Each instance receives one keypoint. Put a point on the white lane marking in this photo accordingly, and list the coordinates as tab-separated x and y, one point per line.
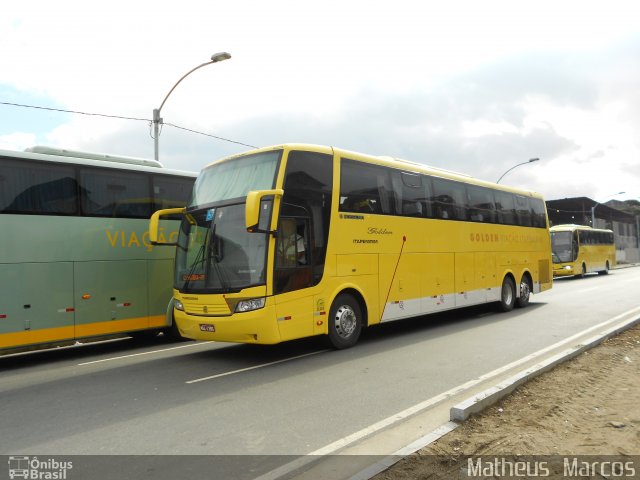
341	443
143	353
253	368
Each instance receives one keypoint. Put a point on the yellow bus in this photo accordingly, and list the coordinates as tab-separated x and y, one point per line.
578	250
296	240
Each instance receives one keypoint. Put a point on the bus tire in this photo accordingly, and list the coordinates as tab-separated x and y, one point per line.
507	294
583	272
345	322
525	292
606	269
173	333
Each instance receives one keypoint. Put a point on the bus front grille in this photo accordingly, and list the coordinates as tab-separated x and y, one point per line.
213	309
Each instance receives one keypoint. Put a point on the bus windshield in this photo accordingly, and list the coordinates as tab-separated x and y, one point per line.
235	178
561	246
216	254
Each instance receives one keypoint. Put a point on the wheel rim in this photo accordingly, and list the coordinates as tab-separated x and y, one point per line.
525	291
507	294
345	321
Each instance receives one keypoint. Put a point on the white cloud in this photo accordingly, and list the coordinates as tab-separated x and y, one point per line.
17	141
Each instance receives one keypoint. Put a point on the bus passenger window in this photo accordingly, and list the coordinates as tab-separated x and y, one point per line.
365	188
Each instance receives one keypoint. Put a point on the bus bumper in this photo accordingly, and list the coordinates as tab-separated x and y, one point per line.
257	326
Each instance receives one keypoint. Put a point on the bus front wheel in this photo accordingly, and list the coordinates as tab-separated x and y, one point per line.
508	294
345	322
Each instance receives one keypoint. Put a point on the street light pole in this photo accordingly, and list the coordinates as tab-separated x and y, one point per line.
157	120
523	163
593	209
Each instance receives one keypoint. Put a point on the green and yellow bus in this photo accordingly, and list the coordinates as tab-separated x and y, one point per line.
75	255
578	250
294	240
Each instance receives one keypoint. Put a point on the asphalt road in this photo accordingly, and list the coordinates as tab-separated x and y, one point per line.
195	398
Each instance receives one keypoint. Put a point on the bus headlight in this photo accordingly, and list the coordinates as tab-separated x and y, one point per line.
567	267
178	305
249	305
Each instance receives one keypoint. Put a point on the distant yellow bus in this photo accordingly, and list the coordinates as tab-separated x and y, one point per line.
578	250
291	241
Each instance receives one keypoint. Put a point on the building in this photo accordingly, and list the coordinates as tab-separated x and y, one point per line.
584	211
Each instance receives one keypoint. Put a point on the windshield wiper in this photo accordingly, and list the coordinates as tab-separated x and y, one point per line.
197	261
215	256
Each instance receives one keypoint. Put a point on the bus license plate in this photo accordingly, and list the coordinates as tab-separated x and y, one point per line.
205	327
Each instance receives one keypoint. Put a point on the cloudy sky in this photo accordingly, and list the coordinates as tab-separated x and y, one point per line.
471	86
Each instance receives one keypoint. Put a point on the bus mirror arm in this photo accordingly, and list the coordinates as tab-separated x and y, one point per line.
154	225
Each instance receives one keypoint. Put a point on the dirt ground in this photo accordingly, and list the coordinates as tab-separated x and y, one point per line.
587	406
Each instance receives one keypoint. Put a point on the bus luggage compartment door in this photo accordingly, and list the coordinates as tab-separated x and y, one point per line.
36	303
111	297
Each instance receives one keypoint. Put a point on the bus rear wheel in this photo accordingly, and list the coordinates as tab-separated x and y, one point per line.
525	292
508	294
345	322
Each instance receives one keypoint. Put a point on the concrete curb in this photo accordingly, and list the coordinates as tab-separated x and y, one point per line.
479	402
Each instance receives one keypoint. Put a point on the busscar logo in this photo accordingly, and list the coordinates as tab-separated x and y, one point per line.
21	466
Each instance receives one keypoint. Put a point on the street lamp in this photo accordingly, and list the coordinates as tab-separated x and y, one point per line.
523	163
217	57
593	209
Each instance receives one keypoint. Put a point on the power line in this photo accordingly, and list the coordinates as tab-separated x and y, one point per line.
74	111
209	135
125	118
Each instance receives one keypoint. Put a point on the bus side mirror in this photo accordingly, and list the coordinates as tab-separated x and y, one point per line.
154	225
259	209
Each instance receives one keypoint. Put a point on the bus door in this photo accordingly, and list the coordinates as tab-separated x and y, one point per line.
303	229
292	274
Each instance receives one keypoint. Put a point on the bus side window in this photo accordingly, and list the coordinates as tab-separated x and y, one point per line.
293	256
365	188
538	212
411	194
481	206
506	208
523	211
40	189
292	246
115	193
449	199
170	192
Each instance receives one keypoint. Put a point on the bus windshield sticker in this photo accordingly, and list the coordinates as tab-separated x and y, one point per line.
210	214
